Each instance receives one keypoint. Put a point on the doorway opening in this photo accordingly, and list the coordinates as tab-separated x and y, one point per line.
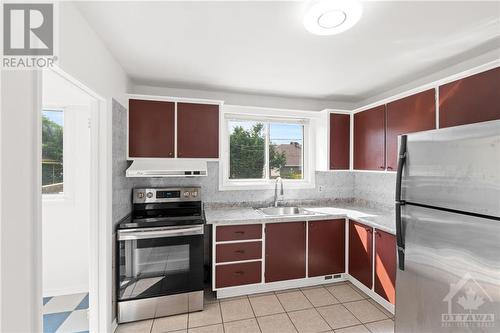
69	268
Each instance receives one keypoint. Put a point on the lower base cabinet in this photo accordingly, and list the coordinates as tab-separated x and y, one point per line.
326	247
285	251
238	274
385	265
360	253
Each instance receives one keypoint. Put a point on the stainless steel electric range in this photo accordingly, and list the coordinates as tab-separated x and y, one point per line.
160	254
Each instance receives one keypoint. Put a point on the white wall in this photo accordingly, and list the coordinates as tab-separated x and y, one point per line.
20	259
66	217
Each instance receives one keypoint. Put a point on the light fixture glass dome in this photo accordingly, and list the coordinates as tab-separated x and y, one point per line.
330	17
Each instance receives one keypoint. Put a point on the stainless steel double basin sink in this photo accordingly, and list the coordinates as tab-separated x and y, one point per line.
285	211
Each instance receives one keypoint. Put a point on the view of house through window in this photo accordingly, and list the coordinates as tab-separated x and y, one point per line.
253	145
52	151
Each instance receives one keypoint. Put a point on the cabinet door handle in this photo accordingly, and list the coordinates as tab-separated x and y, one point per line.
379	234
239	232
381	167
389	168
239	272
240	251
170	154
179	154
369	230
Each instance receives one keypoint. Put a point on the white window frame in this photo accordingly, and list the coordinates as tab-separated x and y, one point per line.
308	181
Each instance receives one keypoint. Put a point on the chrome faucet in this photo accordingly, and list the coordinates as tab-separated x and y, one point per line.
277	197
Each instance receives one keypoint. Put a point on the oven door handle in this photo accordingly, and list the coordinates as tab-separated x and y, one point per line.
134	234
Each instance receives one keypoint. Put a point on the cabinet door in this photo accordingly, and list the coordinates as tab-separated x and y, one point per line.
198	130
385	265
326	252
340	137
285	251
470	100
360	252
151	128
369	139
411	114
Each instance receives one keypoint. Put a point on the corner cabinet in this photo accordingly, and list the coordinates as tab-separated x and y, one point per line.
326	249
154	128
151	128
361	252
369	139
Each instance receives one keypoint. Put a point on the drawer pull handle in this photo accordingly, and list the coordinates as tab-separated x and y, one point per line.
240	251
239	272
239	232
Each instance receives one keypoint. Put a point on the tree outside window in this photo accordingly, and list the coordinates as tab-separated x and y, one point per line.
52	152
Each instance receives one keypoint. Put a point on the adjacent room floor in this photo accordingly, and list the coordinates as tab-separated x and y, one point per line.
66	314
338	307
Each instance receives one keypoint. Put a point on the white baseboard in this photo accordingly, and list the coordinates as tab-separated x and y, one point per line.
370	292
274	286
66	291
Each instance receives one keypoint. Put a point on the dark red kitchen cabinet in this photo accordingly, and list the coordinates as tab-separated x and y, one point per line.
238	274
470	100
407	115
285	251
360	252
385	265
198	130
340	137
369	139
326	253
151	128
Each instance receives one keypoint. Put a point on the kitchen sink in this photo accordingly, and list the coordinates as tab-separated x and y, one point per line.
285	211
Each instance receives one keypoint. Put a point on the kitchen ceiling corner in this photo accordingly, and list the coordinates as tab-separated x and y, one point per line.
238	46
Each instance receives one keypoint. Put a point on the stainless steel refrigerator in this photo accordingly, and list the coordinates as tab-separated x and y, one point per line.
448	230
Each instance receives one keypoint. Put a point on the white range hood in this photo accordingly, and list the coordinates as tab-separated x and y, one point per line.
163	167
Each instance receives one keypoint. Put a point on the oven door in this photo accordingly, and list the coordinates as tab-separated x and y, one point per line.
159	261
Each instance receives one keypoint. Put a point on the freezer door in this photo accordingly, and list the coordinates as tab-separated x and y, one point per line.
451	277
456	168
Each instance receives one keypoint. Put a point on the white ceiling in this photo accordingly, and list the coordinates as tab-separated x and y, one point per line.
262	47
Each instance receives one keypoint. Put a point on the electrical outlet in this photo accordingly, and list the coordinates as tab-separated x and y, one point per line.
321	188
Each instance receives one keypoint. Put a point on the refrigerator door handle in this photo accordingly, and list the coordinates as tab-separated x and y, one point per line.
401	163
399	237
399	230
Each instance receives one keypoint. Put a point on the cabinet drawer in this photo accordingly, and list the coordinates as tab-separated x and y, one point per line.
238	232
238	251
238	274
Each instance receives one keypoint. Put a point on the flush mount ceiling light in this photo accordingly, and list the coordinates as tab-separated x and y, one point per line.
330	17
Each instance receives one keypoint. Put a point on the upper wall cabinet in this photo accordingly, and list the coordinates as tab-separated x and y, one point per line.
369	139
411	114
151	128
198	130
470	100
340	136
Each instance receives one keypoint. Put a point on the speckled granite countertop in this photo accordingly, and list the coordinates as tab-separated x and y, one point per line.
383	220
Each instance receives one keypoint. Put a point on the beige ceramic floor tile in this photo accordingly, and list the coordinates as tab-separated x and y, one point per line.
384	326
242	326
319	296
308	321
207	329
168	324
337	316
365	311
344	293
266	305
353	329
381	308
209	316
359	291
143	326
294	301
236	310
276	323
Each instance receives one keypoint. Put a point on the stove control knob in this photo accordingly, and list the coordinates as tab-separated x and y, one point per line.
194	194
140	195
149	195
186	194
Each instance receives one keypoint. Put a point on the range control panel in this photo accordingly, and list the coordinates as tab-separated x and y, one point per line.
151	195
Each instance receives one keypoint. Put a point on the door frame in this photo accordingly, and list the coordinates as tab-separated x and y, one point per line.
100	226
